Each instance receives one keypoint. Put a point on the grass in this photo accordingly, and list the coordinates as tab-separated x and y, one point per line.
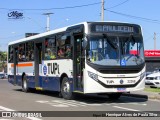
152	89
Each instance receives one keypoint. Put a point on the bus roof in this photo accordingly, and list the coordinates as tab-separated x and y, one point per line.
43	34
57	31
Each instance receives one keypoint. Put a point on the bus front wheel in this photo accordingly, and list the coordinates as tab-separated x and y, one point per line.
66	89
24	84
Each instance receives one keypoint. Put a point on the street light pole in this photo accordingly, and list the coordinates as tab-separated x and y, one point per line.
48	20
102	11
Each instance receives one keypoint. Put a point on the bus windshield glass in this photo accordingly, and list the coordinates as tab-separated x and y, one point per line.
115	50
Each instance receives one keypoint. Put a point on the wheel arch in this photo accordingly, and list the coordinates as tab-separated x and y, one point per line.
23	74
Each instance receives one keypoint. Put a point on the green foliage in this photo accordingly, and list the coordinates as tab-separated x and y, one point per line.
152	89
3	61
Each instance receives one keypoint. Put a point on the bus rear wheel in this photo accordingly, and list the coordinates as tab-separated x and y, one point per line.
66	89
24	84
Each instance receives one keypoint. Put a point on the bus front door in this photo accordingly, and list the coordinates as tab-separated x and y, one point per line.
78	63
15	61
37	64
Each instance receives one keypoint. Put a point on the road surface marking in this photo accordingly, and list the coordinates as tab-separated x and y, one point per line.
74	103
125	108
64	103
42	101
68	103
8	109
135	103
60	105
126	103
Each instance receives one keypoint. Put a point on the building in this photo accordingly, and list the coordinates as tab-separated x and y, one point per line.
152	58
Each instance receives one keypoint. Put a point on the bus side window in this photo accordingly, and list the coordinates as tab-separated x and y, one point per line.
21	53
10	56
50	48
29	51
64	46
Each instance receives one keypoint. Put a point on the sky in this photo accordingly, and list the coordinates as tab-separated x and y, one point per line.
142	12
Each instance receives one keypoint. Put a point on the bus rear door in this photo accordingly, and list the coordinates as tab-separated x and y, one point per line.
37	64
15	62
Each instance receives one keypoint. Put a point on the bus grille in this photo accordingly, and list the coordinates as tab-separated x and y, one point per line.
119	71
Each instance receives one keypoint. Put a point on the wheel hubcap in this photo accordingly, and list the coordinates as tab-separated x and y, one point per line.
25	84
66	87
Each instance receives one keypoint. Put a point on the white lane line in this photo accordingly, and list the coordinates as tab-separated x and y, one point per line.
6	119
42	101
8	109
143	104
125	108
135	103
60	105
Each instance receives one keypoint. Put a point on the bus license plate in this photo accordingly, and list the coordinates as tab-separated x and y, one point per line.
121	89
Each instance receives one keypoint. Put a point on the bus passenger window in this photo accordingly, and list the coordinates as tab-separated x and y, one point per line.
29	51
61	52
10	55
68	52
50	49
21	53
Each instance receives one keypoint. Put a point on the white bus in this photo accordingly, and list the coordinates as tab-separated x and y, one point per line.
89	57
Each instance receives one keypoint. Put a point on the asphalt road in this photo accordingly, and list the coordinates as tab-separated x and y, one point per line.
13	99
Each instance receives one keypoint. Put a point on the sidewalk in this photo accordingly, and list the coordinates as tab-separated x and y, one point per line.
144	94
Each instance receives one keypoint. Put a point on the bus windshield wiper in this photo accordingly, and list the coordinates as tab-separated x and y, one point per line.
109	41
131	37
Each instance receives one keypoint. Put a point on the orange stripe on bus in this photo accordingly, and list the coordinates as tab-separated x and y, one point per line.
23	65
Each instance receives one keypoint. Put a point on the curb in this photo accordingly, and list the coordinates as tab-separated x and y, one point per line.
135	95
142	96
154	97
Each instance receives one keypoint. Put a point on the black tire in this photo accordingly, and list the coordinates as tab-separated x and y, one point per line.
114	96
66	89
25	84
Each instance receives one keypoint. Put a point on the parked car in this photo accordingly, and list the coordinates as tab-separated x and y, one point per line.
1	75
5	75
153	80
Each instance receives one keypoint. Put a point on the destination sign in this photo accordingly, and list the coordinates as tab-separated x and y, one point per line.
115	28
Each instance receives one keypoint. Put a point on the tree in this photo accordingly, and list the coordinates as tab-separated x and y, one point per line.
3	61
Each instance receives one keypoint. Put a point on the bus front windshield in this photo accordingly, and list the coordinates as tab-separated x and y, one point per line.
115	50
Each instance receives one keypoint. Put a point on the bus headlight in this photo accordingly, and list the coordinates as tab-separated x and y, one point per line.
142	75
93	76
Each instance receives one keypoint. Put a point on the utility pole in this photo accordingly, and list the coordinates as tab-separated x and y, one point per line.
154	41
102	11
48	20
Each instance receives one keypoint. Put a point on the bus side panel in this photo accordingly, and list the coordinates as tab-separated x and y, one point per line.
51	83
22	67
53	70
30	81
10	73
11	79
